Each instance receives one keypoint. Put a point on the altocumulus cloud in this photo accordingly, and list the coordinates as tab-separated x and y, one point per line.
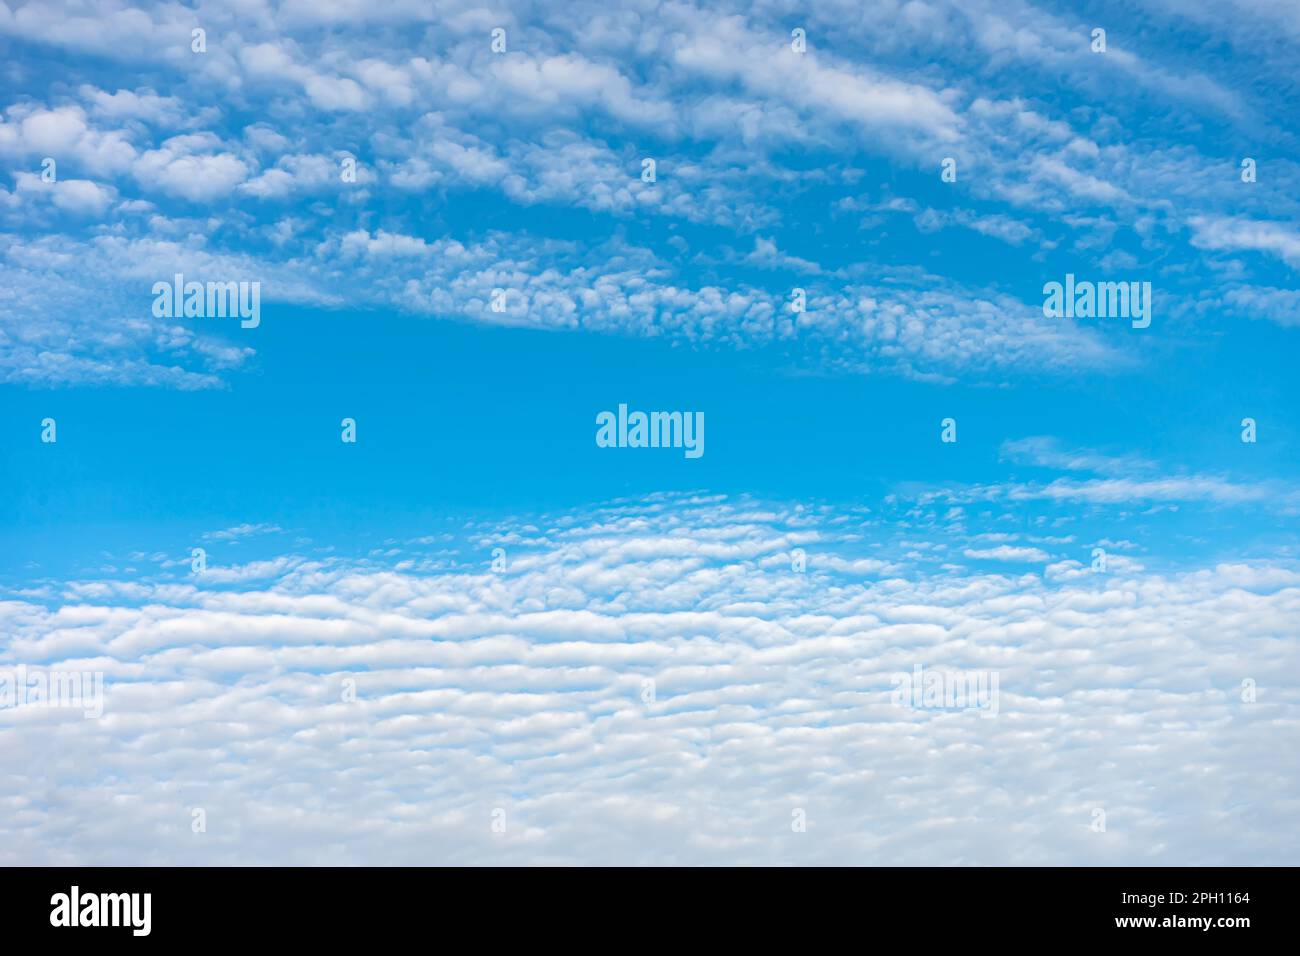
524	690
562	121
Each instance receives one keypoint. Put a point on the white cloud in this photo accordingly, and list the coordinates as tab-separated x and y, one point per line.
772	690
77	196
918	326
242	531
1238	235
1046	452
178	169
1008	553
63	134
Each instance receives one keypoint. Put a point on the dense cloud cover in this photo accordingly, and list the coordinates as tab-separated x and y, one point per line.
523	690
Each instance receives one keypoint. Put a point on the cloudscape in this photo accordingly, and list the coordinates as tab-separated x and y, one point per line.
649	433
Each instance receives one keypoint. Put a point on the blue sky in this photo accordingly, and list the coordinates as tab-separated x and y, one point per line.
775	170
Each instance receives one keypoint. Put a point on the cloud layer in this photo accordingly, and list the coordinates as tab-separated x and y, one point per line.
229	161
525	691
